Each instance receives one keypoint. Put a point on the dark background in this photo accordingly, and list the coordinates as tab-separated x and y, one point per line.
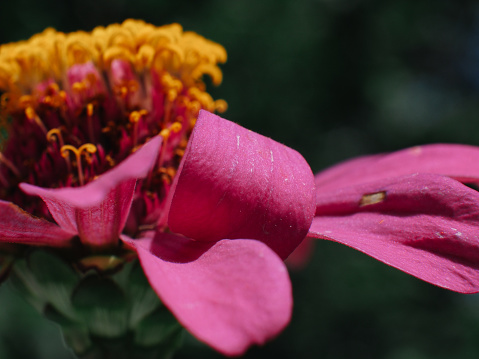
333	79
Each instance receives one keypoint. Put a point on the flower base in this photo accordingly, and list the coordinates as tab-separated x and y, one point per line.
109	313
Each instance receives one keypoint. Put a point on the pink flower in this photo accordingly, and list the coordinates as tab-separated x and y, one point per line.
232	183
104	160
409	209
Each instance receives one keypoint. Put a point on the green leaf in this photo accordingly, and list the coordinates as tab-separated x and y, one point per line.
102	305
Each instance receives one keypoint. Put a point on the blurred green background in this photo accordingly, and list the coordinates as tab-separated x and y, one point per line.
333	79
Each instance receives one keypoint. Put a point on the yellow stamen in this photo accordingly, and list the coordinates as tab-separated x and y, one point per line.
89	109
78	87
55	134
221	106
110	160
134	118
179	152
87	149
176	127
32	116
165	133
180	59
168	173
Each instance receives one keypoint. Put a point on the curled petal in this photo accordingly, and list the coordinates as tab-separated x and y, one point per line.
234	183
229	294
18	226
98	210
425	225
456	161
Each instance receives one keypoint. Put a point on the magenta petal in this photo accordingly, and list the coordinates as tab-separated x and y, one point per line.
234	183
456	161
18	226
228	294
425	225
98	210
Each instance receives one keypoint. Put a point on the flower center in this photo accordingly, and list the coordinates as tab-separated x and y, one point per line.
75	105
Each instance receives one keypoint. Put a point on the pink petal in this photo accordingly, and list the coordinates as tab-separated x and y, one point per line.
229	294
98	210
234	183
18	226
425	225
457	161
301	256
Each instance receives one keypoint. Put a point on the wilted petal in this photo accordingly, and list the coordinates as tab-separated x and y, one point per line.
229	294
234	183
457	161
98	210
18	226
425	225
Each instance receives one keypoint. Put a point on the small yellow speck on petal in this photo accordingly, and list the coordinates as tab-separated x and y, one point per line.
372	198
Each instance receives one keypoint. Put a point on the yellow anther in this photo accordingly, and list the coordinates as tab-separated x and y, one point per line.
172	94
221	106
54	87
78	86
30	113
179	152
89	109
165	133
25	101
169	171
123	91
47	100
55	134
110	160
135	116
87	149
176	127
192	122
32	116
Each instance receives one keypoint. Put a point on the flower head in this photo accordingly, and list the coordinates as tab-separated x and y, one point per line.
75	105
109	151
410	209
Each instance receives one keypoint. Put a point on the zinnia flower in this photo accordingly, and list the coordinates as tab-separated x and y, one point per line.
105	154
410	209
